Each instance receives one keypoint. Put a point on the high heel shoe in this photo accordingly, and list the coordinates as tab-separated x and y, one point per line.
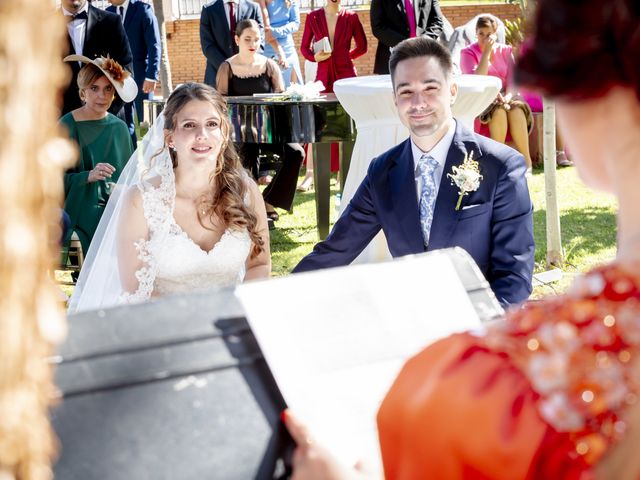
306	185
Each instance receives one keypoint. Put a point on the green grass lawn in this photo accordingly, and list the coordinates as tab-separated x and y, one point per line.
587	222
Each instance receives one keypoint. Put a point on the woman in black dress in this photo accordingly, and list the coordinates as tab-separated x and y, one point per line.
246	73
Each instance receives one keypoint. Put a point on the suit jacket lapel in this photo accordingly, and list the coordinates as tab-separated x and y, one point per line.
445	215
402	14
404	197
91	21
421	21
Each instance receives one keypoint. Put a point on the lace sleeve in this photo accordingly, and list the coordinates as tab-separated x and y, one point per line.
222	78
133	255
275	75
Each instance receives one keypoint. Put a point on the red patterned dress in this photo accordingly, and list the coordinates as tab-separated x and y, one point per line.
541	395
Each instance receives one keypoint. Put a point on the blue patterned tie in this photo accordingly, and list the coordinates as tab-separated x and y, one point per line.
428	194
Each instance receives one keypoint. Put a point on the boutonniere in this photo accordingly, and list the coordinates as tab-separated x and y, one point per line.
466	177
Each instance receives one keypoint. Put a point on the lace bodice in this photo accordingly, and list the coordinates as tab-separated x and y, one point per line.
173	262
184	267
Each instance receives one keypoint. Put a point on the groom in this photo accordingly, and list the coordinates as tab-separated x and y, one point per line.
408	194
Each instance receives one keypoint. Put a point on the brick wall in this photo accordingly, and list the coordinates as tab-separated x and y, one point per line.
188	62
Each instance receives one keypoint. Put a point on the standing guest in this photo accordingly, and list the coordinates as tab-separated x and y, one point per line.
395	20
190	220
551	392
93	33
141	26
103	141
509	112
281	21
408	194
339	26
247	73
218	22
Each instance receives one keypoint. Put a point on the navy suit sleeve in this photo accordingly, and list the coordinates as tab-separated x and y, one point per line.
152	41
353	231
512	255
214	53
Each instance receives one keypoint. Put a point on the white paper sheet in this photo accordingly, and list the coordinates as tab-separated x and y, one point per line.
336	339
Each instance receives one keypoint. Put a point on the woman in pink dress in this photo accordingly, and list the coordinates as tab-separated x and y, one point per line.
509	113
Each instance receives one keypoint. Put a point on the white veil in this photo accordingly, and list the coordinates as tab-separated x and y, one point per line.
99	282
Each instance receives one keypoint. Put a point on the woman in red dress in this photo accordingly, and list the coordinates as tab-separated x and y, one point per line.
339	26
553	391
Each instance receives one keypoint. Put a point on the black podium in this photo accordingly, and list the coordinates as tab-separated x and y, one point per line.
178	389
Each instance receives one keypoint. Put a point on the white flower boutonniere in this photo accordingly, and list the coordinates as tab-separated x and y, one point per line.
466	177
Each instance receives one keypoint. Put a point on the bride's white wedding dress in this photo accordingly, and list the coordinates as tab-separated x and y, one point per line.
170	261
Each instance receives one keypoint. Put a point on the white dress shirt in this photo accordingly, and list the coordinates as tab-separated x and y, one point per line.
439	153
77	28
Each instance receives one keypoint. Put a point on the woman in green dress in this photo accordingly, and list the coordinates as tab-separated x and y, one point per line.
103	141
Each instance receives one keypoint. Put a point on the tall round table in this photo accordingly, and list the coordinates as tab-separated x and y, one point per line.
369	101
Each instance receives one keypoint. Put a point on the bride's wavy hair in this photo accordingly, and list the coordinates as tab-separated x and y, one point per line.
229	180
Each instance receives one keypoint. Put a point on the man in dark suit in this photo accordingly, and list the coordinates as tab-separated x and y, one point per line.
141	26
393	21
93	33
408	191
218	21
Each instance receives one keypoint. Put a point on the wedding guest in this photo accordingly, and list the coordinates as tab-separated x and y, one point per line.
247	73
339	26
93	32
103	141
509	112
141	26
395	20
281	20
218	21
553	390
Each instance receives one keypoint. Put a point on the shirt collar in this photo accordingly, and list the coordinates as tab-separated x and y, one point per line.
85	8
439	151
124	5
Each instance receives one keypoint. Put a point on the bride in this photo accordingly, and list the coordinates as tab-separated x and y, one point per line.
184	216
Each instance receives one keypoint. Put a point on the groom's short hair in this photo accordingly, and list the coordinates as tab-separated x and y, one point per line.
420	47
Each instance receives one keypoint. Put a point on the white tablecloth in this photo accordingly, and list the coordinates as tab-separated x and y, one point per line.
369	101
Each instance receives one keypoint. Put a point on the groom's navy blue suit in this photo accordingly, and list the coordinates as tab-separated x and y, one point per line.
494	223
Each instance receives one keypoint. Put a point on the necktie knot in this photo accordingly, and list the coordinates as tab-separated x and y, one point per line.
121	11
427	165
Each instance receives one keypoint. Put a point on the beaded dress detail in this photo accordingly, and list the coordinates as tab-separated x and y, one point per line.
577	350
